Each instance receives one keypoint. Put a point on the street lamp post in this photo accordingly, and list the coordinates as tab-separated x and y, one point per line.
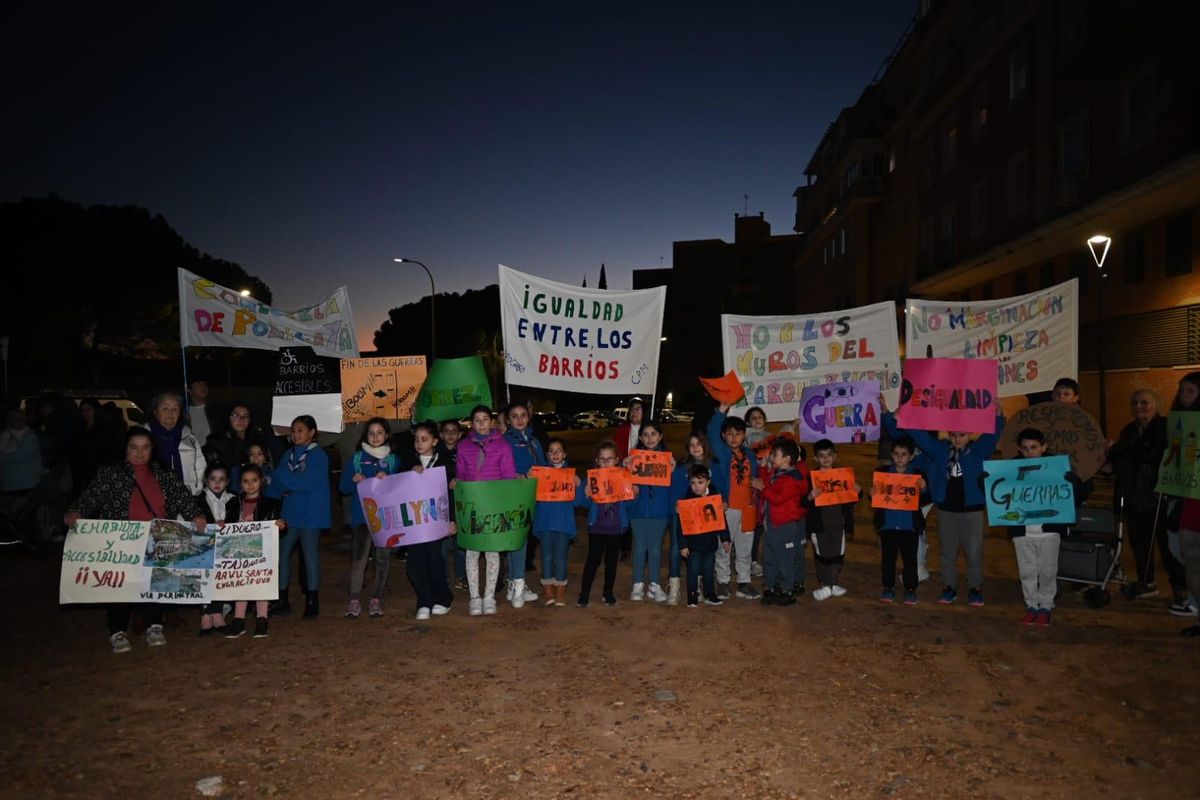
1099	245
432	295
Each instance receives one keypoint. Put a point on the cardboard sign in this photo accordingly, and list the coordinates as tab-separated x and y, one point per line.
1179	474
610	485
407	508
554	484
1069	430
701	514
948	394
650	467
1029	491
837	486
494	516
895	491
843	413
380	387
727	389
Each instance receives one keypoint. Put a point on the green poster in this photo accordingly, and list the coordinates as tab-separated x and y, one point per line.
453	387
1179	474
494	515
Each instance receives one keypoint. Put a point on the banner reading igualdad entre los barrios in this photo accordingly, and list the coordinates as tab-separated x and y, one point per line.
581	340
1034	338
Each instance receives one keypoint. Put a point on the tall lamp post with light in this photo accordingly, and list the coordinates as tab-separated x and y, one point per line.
432	295
1099	246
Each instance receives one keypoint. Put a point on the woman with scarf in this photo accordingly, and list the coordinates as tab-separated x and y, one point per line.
174	445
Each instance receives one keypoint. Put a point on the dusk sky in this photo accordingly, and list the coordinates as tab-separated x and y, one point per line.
313	146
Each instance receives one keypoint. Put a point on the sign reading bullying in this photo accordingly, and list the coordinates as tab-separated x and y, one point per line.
610	485
836	485
701	515
650	467
896	491
407	508
948	394
554	484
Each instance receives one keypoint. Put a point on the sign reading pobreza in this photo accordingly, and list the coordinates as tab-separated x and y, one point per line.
211	315
948	394
1029	491
1033	338
1179	473
596	341
406	508
777	357
840	412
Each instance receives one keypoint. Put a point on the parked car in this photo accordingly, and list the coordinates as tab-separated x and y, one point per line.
587	420
130	412
548	421
671	415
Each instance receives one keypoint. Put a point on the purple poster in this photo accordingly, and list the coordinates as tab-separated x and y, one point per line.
841	412
408	508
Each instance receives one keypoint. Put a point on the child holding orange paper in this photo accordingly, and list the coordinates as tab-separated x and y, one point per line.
829	526
554	526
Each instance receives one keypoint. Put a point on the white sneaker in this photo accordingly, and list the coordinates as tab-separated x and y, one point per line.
756	569
154	636
639	591
838	591
516	593
528	593
822	593
439	609
673	592
422	613
120	642
508	590
475	607
489	605
656	593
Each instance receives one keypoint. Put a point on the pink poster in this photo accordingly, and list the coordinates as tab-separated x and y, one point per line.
408	508
949	394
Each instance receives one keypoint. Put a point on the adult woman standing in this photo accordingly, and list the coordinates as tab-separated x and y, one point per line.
138	489
1134	458
230	448
1188	399
174	445
100	445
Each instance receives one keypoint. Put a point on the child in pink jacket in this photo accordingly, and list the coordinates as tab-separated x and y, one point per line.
483	455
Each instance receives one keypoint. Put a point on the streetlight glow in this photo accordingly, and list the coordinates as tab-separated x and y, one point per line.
1099	245
245	292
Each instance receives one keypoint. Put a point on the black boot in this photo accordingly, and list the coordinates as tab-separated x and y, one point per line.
312	604
281	607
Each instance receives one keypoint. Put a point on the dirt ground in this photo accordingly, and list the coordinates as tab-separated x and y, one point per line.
846	698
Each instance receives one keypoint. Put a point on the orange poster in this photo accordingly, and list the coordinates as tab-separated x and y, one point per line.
727	389
650	467
554	484
380	387
610	485
701	514
766	445
896	491
836	485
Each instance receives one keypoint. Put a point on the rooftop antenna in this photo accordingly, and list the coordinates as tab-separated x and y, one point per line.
745	205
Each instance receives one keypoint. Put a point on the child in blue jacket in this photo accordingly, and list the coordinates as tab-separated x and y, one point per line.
302	480
732	473
554	527
698	452
607	523
649	517
373	459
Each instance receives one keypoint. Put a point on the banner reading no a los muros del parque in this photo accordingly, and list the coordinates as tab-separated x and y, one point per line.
1034	338
579	340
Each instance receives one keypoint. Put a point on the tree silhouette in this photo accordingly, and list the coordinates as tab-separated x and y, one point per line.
603	284
461	320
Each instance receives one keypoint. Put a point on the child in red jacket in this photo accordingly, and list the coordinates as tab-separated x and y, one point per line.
783	522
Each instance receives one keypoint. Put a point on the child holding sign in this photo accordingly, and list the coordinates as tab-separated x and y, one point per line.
829	526
607	523
252	506
425	565
898	530
698	453
483	455
700	549
735	467
649	516
783	522
216	502
554	526
374	459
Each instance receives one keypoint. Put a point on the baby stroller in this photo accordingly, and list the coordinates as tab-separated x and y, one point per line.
1089	554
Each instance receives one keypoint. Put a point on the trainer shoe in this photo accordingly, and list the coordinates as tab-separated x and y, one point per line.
822	593
756	570
260	627
375	608
768	597
747	592
656	593
639	592
1144	591
238	628
582	602
1043	618
422	613
910	598
837	590
461	585
120	642
489	605
354	608
949	595
723	591
155	637
610	599
475	607
1030	617
713	600
693	599
439	609
887	595
785	599
974	598
1182	608
798	588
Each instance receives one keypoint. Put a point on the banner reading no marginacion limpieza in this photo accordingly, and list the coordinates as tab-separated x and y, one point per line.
580	340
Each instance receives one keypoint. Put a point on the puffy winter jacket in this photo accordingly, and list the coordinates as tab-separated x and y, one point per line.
722	455
367	465
527	450
302	480
785	497
938	451
485	459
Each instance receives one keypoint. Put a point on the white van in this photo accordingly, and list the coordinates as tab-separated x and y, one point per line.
130	412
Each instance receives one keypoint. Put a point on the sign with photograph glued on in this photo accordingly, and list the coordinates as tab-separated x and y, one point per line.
726	390
844	413
837	486
1069	431
1029	491
775	358
1033	339
406	508
701	514
609	485
650	467
948	394
307	383
554	484
896	491
380	387
597	341
453	387
246	565
1179	473
211	315
493	516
